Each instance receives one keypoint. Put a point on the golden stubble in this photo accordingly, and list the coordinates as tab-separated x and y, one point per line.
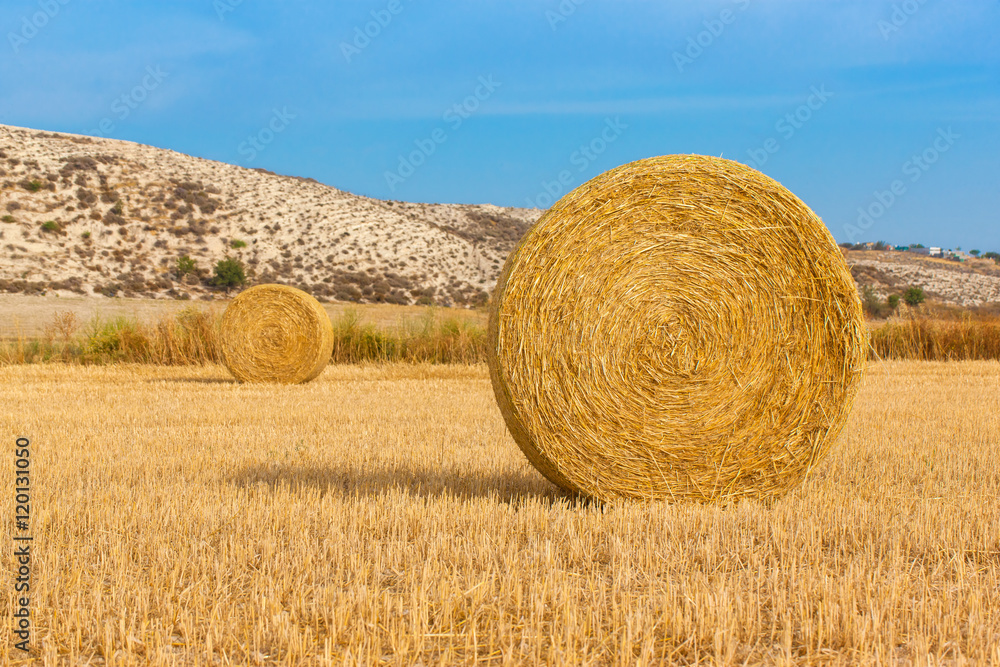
383	515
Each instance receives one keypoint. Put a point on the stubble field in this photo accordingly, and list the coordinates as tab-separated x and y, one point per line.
382	515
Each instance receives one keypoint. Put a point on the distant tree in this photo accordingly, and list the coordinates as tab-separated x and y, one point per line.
229	272
975	253
893	301
846	246
914	296
917	245
873	305
881	245
185	265
995	256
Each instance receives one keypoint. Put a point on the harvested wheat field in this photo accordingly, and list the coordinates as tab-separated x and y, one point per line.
383	515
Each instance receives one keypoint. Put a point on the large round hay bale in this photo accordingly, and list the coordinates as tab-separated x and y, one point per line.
276	333
679	327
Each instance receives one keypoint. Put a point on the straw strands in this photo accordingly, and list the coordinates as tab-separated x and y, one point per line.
679	327
275	333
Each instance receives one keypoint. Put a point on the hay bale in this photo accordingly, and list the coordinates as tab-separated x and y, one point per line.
276	333
679	327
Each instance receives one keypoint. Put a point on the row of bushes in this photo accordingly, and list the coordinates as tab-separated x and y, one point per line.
191	337
877	308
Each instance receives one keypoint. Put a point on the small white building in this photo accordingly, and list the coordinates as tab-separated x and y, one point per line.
935	252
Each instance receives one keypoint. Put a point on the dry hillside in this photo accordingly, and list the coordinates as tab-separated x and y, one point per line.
93	216
98	216
972	283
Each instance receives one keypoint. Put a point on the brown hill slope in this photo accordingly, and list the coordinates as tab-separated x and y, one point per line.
967	284
93	216
89	215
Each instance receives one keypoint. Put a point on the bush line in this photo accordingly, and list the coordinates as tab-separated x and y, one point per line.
190	337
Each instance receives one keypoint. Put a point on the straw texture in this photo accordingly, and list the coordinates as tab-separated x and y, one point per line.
679	327
276	333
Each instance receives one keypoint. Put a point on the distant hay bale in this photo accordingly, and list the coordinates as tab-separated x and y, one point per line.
679	327
275	333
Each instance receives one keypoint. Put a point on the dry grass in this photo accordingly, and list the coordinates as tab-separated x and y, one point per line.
31	315
383	515
939	339
190	336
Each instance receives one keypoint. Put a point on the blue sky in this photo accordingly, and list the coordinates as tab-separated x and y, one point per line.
889	109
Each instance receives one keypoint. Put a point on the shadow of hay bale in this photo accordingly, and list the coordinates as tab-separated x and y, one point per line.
190	380
415	481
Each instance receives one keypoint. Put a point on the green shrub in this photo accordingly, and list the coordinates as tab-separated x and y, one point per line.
107	340
237	243
873	305
914	296
85	235
8	218
33	186
51	226
893	301
185	265
229	273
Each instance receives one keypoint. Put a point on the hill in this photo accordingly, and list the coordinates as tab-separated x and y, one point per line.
966	284
93	216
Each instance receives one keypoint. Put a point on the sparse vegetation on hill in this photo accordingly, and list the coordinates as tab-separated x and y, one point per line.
126	212
142	207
